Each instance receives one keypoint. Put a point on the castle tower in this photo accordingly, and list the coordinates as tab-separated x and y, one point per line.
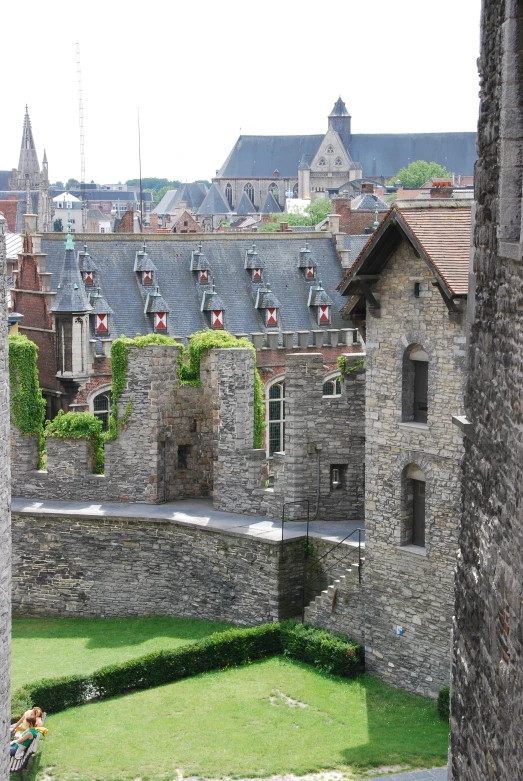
339	120
28	166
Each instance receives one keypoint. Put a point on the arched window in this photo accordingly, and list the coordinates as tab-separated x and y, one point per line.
415	384
322	161
228	193
332	387
275	400
275	190
102	407
249	191
295	191
413	510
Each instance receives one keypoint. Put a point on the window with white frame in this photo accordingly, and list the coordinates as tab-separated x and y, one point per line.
275	400
332	386
101	407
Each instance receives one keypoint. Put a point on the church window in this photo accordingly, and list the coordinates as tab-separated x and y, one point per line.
228	193
322	161
332	387
160	321
276	418
217	318
338	161
249	191
415	384
275	190
101	408
330	150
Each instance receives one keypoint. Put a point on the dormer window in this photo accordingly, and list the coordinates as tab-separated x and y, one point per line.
204	276
256	275
144	266
324	315
271	316
217	318
309	272
160	321
88	277
147	278
101	324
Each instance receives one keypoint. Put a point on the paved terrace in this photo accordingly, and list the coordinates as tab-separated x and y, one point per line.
195	513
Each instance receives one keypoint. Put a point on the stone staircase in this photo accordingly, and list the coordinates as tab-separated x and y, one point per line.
326	601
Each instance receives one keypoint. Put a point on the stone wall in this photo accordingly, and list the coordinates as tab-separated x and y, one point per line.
487	667
321	432
94	566
5	532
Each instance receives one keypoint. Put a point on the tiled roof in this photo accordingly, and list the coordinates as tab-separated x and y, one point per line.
115	254
444	234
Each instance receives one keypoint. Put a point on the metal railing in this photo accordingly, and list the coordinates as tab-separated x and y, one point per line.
346	557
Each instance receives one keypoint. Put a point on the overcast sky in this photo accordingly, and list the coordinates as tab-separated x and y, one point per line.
201	71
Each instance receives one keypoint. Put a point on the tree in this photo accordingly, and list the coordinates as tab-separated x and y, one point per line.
58	226
314	213
59	184
418	173
153	183
72	184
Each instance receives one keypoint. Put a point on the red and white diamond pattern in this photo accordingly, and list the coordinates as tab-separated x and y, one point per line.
147	277
217	318
101	323
324	314
160	321
256	275
310	272
88	277
272	316
204	275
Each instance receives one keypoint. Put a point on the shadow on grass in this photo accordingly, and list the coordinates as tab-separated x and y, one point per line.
116	632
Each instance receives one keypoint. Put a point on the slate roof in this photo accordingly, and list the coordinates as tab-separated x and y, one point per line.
71	295
214	202
5	176
245	205
99	304
383	154
114	255
369	203
355	243
442	236
339	109
261	156
193	193
271	205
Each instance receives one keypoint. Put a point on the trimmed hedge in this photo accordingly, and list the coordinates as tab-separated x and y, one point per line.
444	703
330	653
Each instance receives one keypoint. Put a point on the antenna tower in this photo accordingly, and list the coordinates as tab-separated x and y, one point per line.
82	153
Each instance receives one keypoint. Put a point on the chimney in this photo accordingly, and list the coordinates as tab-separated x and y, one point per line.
341	206
367	188
153	222
441	188
334	223
284	226
30	224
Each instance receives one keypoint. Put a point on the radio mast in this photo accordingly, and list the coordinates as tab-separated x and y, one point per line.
82	153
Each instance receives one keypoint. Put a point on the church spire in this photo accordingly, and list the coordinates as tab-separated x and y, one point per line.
28	165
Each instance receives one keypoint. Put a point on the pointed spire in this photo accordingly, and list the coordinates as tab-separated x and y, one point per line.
28	165
71	296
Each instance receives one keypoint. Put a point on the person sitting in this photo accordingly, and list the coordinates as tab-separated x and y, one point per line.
23	742
38	714
21	725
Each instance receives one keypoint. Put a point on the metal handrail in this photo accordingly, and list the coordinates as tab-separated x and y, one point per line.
359	530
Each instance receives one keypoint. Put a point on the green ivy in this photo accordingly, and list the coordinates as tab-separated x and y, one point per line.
189	369
79	425
119	366
349	368
27	402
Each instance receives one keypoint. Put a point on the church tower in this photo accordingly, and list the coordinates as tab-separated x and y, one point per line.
339	120
44	199
28	173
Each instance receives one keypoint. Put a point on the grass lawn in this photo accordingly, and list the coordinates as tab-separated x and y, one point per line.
274	716
44	648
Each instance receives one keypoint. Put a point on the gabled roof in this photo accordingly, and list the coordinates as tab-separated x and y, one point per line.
85	261
271	205
214	202
245	205
369	202
305	259
198	260
261	156
99	304
265	299
253	259
318	296
192	193
142	261
211	300
155	302
441	236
